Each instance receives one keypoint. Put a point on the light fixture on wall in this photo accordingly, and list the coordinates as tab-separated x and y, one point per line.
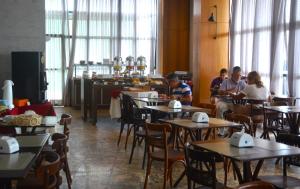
213	18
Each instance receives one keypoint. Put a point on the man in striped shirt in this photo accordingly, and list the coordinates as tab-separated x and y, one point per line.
180	91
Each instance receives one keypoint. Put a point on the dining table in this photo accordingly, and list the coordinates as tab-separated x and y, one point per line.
16	165
195	129
292	116
262	150
172	112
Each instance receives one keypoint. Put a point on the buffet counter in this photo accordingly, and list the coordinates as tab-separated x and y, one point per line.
90	94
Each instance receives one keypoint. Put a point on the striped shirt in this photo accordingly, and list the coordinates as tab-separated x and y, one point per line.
182	90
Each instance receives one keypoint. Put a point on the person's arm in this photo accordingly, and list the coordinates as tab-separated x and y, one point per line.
238	96
186	98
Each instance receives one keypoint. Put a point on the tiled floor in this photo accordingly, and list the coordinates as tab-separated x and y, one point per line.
97	162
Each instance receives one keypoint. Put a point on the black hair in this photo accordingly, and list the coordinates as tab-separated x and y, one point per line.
172	77
223	70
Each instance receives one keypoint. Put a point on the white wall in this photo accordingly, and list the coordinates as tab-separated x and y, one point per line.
22	28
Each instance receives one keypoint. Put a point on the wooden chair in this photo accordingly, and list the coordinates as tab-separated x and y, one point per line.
160	150
252	108
245	120
211	107
66	120
256	185
60	147
137	118
45	175
292	140
201	168
126	117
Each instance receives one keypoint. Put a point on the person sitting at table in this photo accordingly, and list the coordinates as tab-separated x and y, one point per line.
230	85
180	90
254	89
216	83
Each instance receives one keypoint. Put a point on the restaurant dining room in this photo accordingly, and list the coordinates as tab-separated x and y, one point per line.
149	94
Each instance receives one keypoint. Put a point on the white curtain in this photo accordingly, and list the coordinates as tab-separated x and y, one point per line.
294	50
250	36
265	36
93	30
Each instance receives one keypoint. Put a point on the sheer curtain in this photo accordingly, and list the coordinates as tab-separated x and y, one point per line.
250	38
294	50
263	37
93	30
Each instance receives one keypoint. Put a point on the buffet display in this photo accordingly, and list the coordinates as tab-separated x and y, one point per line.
117	68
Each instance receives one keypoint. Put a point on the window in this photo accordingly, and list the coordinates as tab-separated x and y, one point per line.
105	29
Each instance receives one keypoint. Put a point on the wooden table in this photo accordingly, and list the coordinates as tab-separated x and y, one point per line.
190	126
292	115
172	111
17	165
263	149
151	101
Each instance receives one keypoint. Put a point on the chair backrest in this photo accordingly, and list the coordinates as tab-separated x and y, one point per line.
242	119
288	101
289	139
48	169
211	107
66	120
129	109
60	144
256	185
200	166
157	137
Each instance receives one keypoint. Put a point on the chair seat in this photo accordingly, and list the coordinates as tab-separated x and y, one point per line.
172	155
280	181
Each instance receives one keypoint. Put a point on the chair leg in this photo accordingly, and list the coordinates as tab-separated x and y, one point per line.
148	171
68	173
121	131
145	154
226	168
128	134
170	176
166	174
135	138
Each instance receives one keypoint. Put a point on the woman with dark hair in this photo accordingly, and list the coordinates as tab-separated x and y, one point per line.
254	88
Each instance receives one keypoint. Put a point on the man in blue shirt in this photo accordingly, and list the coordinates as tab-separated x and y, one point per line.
234	84
180	91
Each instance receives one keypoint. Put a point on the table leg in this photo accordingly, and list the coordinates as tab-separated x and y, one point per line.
237	171
257	169
247	174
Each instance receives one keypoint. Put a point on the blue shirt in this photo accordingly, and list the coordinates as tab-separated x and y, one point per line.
182	90
229	84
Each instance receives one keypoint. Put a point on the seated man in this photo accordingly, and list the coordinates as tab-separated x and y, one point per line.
231	85
216	83
180	91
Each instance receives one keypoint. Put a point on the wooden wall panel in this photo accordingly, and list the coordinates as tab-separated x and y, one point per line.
212	53
176	25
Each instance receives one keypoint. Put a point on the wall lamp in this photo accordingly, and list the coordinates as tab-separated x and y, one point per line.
213	18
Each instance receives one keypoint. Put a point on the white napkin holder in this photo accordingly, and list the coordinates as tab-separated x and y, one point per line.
200	117
174	104
241	139
8	145
153	95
